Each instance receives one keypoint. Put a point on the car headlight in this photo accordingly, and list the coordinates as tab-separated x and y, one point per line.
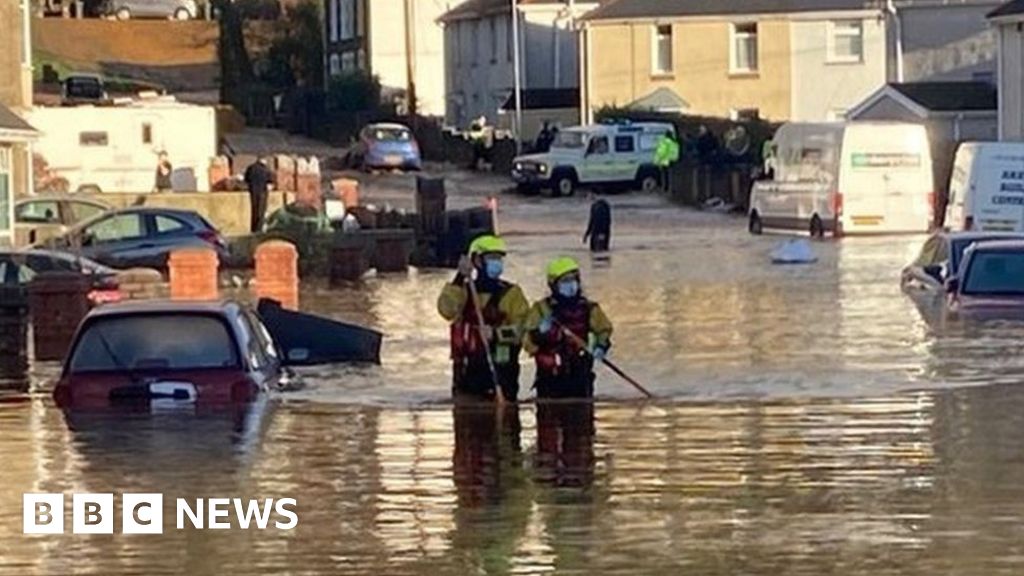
542	168
519	166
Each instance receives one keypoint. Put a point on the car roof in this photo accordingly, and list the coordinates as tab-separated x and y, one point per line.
388	125
979	235
132	307
61	198
992	245
59	254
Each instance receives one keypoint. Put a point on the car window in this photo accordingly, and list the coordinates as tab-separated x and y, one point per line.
116	228
598	145
168	225
40	263
12	273
995	273
38	212
178	341
82	211
649	142
624	144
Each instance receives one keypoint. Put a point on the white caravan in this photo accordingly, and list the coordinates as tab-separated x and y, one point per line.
847	178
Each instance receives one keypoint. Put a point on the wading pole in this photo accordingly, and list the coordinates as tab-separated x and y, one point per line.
611	366
499	395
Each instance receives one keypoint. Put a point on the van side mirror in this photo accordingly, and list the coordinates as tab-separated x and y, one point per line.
952	285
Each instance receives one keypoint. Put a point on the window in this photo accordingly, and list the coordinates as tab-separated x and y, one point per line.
744	48
360	17
334	65
116	228
744	114
332	19
598	145
662	49
42	212
361	59
165	225
494	39
82	211
348	62
624	144
846	41
649	142
147	133
92	138
474	41
348	19
158	341
5	188
508	38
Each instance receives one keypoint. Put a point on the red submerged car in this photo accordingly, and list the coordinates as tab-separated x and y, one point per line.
169	354
990	282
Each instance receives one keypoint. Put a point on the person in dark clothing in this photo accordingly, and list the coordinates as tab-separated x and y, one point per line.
599	228
257	178
163	173
543	143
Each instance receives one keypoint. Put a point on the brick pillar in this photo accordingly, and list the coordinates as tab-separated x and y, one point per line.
13	332
58	301
193	274
348	190
277	273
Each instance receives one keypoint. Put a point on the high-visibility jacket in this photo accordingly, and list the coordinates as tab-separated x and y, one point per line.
503	309
581	317
666	152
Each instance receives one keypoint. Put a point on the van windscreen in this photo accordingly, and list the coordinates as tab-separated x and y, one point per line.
569	139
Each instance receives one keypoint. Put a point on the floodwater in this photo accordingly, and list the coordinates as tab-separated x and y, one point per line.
809	420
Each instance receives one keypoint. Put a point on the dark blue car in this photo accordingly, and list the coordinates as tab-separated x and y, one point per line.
140	237
940	258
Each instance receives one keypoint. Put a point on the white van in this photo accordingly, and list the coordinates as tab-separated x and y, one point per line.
847	178
608	154
986	189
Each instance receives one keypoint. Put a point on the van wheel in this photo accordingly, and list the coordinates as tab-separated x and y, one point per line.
123	14
565	184
755	226
817	228
649	183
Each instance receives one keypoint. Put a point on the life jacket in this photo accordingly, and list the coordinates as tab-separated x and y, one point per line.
561	354
465	332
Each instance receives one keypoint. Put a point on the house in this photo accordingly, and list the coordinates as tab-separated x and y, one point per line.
1008	21
15	97
479	52
804	60
399	41
953	112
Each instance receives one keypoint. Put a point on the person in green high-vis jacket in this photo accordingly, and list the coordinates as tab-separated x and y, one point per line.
666	153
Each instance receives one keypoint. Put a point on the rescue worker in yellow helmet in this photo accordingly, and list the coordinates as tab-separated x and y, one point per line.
565	333
503	307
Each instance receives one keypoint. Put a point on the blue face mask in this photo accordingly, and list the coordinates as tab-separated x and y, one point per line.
568	288
493	267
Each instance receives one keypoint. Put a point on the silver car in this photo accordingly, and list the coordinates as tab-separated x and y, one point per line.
176	9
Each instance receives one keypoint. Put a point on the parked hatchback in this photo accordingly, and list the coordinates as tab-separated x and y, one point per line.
140	237
990	281
176	9
167	354
386	146
940	258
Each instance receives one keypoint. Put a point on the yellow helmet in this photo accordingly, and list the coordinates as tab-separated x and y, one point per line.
487	244
560	267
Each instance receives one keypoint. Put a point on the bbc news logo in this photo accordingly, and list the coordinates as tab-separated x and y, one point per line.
144	513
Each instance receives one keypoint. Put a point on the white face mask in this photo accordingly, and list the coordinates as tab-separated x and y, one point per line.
568	288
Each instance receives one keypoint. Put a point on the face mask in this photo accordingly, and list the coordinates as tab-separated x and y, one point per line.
568	288
493	268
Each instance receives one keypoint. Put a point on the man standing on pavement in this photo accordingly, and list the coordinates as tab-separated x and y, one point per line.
503	308
163	173
666	153
599	228
257	178
566	333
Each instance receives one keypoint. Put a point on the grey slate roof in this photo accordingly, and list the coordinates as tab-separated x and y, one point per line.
626	9
11	121
1014	8
950	96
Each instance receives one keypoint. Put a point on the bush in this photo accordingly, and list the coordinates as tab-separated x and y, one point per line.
354	92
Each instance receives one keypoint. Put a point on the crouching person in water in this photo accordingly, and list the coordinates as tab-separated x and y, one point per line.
565	333
504	309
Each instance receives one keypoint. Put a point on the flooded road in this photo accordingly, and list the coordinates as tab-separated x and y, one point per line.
810	420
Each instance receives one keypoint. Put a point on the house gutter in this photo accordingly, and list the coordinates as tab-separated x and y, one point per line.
890	7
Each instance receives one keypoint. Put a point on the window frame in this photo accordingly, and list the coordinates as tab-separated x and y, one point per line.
631	138
734	37
833	31
656	37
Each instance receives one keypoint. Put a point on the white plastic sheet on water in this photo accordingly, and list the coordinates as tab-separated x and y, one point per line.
797	251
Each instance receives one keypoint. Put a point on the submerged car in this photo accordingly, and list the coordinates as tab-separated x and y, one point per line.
990	281
390	146
19	267
40	218
169	353
940	258
140	237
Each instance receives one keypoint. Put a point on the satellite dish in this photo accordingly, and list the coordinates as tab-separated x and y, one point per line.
737	141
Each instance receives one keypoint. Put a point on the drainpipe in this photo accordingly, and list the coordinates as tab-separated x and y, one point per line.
890	7
516	80
558	57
